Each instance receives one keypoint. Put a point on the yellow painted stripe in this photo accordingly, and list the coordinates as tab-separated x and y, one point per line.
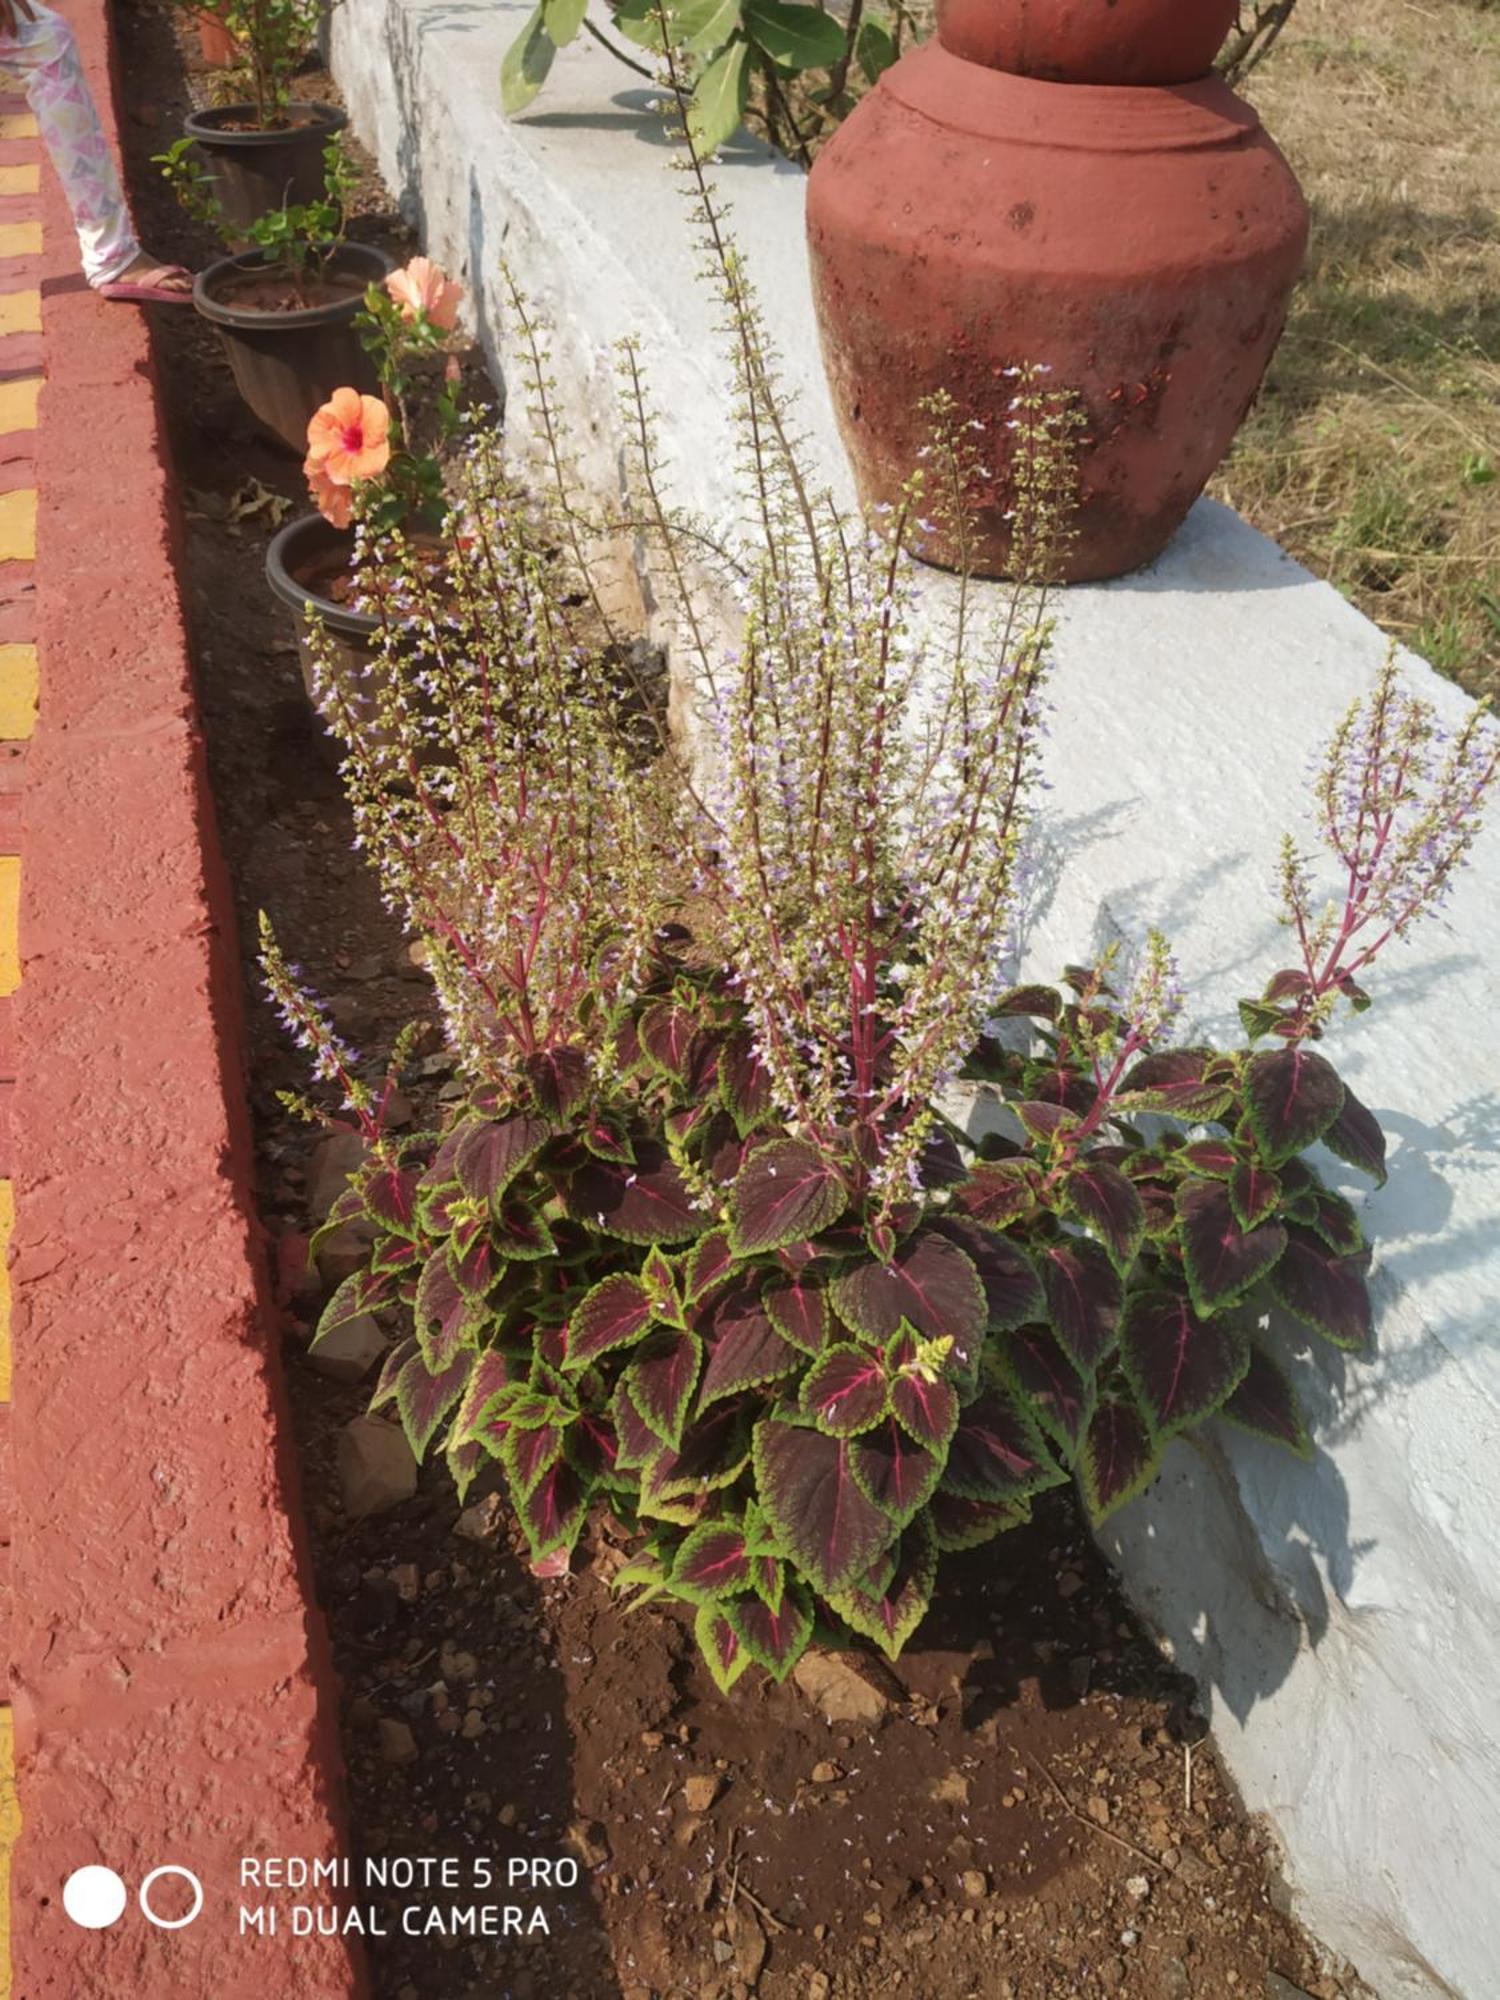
18	525
20	180
10	917
17	125
10	1833
7	1225
21	312
18	404
20	239
18	692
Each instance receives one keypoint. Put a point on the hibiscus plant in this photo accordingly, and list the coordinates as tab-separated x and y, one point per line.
708	1241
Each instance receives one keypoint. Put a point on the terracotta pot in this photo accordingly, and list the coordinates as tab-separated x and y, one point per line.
1141	243
1089	41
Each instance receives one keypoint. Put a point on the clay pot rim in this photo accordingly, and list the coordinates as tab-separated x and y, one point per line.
206	127
1027	111
365	260
310	534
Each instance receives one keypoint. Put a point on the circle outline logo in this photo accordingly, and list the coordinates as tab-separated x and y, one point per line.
170	1923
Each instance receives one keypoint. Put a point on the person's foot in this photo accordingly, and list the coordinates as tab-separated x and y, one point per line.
149	279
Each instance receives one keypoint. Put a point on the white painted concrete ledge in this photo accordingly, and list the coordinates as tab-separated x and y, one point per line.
1344	1616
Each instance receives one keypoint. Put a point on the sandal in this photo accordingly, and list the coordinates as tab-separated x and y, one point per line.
149	289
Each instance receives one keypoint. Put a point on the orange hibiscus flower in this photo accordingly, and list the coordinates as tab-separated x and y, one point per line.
334	502
424	287
350	437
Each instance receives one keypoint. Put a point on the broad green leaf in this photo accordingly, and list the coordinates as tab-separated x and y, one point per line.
704	26
875	49
717	106
526	64
563	19
795	37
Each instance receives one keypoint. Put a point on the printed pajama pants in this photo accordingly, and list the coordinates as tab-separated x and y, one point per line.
44	56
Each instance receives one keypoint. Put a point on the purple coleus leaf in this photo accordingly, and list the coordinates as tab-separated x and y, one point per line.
1042	1121
1175	1080
1108	1204
472	1263
647	1203
390	1373
784	1191
709	1263
492	1153
724	1656
744	1084
528	1454
360	1293
1119	1456
559	1080
638	1443
894	1472
1000	1192
1222	1260
844	1390
1062	1398
662	1377
922	1401
1007	1277
593	1446
606	1139
424	1399
930	1284
1333	1219
1355	1135
775	1640
554	1512
967	1524
1292	1096
1325	1291
714	1452
744	1348
1214	1158
446	1318
806	1483
799	1310
390	1196
1180	1365
1265	1405
1083	1293
489	1377
997	1453
615	1313
892	1613
1254	1193
714	1560
671	1037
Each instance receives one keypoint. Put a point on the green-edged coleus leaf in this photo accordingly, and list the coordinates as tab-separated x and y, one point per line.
520	1235
593	1447
967	1524
1325	1291
662	1375
1007	1277
1119	1457
348	1206
1043	1121
390	1373
1222	1260
472	1262
799	1310
489	1378
719	1643
671	1038
614	1313
744	1084
446	1318
1000	1192
647	1203
554	1511
528	1454
890	1611
606	1138
1180	1081
1062	1398
1215	1159
1038	1003
1108	1204
775	1640
922	1401
1082	1289
930	1284
390	1198
744	1348
1264	1403
492	1152
710	1261
715	1450
1254	1193
424	1399
826	1524
1292	1096
844	1391
1334	1220
639	1444
559	1080
1180	1364
1355	1135
714	1561
784	1191
894	1472
997	1453
360	1293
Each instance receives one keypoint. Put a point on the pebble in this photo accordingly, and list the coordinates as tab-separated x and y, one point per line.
826	1773
376	1468
974	1885
397	1744
699	1793
481	1522
1138	1887
837	1691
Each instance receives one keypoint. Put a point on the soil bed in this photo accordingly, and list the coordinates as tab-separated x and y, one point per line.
1032	1811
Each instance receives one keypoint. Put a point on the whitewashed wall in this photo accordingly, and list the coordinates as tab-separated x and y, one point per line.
1343	1616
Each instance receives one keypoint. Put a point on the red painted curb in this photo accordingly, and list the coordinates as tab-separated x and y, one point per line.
172	1687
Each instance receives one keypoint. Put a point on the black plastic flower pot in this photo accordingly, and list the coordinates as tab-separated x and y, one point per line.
302	561
259	168
287	362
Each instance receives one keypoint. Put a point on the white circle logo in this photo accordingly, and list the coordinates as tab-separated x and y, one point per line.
169	1923
94	1898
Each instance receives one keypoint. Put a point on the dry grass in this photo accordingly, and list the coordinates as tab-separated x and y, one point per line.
1374	452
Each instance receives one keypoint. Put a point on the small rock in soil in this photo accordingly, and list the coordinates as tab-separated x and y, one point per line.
481	1522
397	1744
951	1791
699	1793
333	1160
376	1468
348	1352
974	1885
826	1773
837	1691
589	1842
345	1250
